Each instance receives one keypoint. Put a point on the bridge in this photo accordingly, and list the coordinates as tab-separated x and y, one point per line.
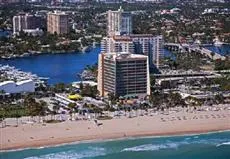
194	48
222	71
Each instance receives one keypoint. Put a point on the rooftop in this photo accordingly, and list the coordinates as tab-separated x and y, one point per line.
56	12
125	55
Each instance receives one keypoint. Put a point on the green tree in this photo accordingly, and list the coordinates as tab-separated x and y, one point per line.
72	107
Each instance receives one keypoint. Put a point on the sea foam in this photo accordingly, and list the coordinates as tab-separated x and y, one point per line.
176	144
152	147
90	152
224	143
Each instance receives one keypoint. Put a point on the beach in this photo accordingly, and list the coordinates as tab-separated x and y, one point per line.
40	135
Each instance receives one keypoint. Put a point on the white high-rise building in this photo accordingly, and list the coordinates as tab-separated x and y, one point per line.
158	50
119	22
24	21
145	44
117	44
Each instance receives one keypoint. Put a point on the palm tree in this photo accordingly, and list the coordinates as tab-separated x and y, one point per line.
112	98
71	107
212	54
56	108
31	106
97	111
42	109
219	98
17	116
2	117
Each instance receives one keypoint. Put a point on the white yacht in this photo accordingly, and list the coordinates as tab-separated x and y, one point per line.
217	42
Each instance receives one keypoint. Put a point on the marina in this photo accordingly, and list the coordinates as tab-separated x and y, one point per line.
57	67
10	73
65	67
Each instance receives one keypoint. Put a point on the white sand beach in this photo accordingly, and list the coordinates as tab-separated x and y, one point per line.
36	135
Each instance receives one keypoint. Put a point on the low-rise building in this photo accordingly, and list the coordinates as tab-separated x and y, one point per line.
17	87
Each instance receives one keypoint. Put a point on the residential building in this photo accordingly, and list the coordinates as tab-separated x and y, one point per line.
158	50
123	74
117	44
26	21
146	44
119	22
57	22
11	1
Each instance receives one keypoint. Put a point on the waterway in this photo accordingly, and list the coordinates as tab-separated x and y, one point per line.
5	33
65	67
222	50
57	67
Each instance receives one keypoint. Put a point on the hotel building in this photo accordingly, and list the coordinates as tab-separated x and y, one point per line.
119	22
57	22
123	74
24	21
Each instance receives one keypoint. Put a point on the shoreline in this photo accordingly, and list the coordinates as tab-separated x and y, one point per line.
43	53
73	132
49	52
79	51
95	140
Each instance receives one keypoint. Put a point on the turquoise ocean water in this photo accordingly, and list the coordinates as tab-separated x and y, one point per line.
205	146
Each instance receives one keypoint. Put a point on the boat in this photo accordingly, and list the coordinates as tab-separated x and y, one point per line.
87	49
217	42
26	54
197	42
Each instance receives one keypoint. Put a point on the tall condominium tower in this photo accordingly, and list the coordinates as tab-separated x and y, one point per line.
117	44
158	50
152	46
146	44
119	22
57	22
24	21
123	74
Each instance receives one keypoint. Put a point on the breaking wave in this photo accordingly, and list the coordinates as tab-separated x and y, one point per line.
151	147
175	145
90	152
224	143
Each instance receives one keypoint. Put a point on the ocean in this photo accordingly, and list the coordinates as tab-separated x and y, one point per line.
204	146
